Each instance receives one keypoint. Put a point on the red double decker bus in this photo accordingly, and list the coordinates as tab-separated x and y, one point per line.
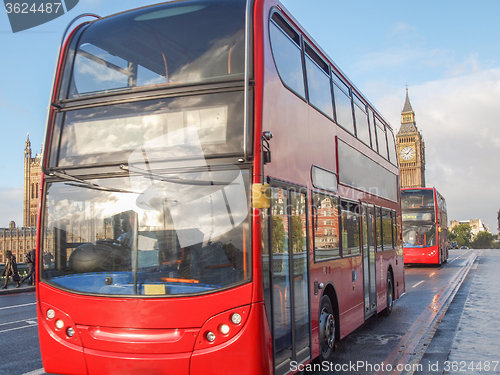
425	226
217	195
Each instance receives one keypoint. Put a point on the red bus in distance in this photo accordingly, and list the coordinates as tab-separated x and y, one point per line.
425	226
217	195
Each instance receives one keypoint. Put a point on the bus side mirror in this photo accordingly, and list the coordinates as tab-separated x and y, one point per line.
266	151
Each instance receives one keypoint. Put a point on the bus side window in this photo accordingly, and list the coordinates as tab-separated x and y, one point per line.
318	82
285	44
361	118
381	138
343	106
326	227
378	220
392	147
387	229
350	228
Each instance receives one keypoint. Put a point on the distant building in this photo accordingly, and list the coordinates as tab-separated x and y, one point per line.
411	149
17	240
476	225
32	170
20	240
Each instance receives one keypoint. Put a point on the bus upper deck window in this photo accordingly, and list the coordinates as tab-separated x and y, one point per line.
173	44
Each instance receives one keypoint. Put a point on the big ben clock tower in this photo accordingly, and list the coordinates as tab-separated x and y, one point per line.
411	149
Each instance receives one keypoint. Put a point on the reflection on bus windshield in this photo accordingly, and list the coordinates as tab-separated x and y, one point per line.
419	236
150	233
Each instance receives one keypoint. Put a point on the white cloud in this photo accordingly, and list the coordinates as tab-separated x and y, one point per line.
11	206
459	120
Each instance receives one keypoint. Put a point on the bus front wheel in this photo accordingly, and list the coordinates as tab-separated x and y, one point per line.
326	329
389	296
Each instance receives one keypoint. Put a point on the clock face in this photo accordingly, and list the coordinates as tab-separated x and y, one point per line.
407	153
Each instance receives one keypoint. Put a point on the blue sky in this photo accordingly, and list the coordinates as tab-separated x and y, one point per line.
446	51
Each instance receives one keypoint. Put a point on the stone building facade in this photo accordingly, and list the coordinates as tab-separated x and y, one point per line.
32	169
21	239
476	225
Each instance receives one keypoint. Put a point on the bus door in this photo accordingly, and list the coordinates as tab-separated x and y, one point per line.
287	276
369	260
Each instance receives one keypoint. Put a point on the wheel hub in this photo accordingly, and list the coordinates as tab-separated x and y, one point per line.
327	325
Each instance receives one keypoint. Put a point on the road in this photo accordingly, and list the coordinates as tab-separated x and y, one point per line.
20	352
399	340
403	338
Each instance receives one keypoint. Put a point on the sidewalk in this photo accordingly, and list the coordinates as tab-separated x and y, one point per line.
11	288
476	347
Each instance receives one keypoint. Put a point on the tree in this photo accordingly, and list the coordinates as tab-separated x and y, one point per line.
462	233
278	231
297	234
483	240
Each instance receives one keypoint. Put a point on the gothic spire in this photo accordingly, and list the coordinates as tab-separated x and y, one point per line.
407	107
27	147
408	124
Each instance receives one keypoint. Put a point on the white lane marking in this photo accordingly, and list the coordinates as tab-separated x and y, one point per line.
29	321
40	371
12	307
15	329
417	284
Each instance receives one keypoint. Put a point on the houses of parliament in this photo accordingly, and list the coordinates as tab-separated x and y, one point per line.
21	239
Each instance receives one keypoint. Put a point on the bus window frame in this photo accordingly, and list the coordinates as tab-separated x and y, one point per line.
394	154
349	97
379	237
389	212
273	12
315	217
357	102
310	53
381	126
360	245
334	191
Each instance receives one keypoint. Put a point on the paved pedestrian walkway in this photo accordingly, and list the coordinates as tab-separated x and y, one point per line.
476	347
11	287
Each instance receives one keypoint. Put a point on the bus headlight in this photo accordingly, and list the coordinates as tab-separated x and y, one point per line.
59	324
70	331
224	329
221	328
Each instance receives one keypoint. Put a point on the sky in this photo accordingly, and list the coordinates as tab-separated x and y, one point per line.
447	52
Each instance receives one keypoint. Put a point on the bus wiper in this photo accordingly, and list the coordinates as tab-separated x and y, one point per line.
85	184
102	188
175	180
65	176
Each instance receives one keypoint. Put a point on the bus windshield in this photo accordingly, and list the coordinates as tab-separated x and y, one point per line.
419	235
419	218
174	43
148	233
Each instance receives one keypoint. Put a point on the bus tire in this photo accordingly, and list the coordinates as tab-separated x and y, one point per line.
389	296
327	329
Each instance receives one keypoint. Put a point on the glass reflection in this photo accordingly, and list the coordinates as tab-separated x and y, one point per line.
168	44
110	133
187	233
419	235
419	217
